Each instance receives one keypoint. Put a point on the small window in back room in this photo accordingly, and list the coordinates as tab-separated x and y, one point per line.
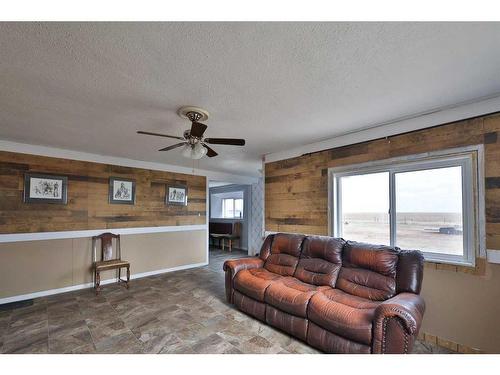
227	205
232	208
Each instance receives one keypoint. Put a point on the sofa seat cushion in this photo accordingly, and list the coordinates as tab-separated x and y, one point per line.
254	282
345	315
291	295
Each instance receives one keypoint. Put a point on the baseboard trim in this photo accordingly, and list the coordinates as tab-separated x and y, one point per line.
447	344
71	288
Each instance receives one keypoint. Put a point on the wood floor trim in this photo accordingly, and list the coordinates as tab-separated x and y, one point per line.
447	344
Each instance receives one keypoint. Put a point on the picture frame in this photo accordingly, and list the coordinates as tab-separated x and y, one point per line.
176	195
45	188
121	191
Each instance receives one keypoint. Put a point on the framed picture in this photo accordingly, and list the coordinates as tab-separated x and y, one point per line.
121	190
176	195
45	188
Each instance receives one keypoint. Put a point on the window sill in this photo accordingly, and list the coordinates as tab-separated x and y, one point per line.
479	269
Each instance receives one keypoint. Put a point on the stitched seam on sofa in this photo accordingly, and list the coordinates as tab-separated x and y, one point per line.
344	325
408	318
403	329
384	330
265	290
405	335
355	307
348	326
352	328
289	313
245	291
339	334
253	312
362	307
406	342
307	307
369	290
355	280
325	332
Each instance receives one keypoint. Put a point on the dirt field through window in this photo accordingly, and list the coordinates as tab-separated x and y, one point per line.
435	232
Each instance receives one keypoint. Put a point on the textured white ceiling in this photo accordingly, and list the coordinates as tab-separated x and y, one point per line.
90	86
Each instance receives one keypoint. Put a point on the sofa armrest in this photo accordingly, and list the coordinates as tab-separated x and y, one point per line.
233	266
236	265
397	322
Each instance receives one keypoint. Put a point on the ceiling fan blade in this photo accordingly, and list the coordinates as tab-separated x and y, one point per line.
210	152
197	129
173	146
226	141
160	135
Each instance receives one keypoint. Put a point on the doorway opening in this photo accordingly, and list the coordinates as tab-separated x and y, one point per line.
229	218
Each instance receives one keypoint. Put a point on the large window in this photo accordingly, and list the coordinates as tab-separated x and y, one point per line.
365	219
426	203
232	208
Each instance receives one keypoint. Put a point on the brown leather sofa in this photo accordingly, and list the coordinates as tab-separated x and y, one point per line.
338	296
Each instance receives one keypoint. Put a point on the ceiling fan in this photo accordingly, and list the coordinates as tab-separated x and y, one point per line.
193	143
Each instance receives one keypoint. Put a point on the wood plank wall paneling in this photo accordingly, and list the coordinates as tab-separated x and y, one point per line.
296	190
88	206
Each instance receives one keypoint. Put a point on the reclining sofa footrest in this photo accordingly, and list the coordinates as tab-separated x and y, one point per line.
288	323
250	306
331	343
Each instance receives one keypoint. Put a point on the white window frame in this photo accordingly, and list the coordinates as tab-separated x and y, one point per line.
470	158
234	208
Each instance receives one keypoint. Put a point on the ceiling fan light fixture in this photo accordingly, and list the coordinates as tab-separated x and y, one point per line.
196	151
186	151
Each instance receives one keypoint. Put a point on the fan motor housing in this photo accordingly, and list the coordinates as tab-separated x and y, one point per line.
193	113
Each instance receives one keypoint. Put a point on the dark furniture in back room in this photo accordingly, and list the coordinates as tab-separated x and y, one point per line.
338	296
225	232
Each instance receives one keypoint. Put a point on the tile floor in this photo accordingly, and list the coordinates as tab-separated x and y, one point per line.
178	312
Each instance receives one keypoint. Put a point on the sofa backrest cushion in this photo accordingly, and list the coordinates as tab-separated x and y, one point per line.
368	271
410	271
265	249
285	253
320	261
